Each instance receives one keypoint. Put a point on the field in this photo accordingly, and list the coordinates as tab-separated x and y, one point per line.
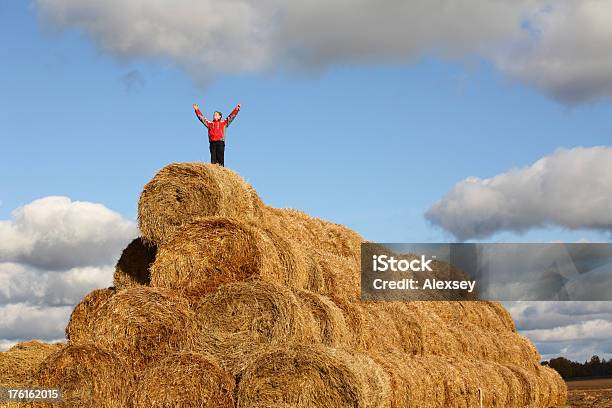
593	393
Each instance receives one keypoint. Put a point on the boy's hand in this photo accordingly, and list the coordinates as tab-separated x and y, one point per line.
195	106
238	106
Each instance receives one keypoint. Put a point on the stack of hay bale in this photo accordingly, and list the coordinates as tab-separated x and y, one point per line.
226	302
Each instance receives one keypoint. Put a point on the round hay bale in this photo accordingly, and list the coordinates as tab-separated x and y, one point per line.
486	384
515	396
316	233
557	387
377	321
293	260
132	269
87	377
316	280
331	328
484	314
186	380
473	342
356	321
436	339
301	376
341	276
78	329
376	382
18	363
528	380
434	381
407	325
242	319
414	328
144	324
516	349
183	192
414	382
503	315
213	251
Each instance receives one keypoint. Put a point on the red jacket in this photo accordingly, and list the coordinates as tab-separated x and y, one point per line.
216	128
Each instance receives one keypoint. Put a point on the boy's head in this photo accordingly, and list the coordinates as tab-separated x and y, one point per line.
217	115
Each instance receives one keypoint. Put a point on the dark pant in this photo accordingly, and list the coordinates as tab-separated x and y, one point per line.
217	152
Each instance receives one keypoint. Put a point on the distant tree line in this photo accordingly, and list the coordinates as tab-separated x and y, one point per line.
595	367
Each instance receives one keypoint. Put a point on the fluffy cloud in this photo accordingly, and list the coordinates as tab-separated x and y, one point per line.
575	330
565	51
589	330
25	321
55	233
19	283
569	188
52	252
559	46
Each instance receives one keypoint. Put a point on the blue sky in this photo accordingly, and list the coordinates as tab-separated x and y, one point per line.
370	144
327	143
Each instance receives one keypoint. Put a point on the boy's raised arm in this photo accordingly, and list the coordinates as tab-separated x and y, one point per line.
200	115
232	115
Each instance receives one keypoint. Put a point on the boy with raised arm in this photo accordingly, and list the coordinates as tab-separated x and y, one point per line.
216	132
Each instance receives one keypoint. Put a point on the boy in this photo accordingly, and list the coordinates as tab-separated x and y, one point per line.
216	132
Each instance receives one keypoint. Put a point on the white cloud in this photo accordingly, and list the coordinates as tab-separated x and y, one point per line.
567	52
569	188
575	330
589	330
549	315
21	283
559	46
7	344
55	233
53	252
25	321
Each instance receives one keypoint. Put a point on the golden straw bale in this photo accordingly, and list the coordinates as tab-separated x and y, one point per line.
294	261
242	319
132	269
182	192
503	315
435	338
87	377
78	329
478	344
414	382
557	395
302	376
216	250
341	276
375	381
144	324
415	329
435	381
404	322
331	327
185	380
314	232
484	314
356	321
18	363
530	385
377	321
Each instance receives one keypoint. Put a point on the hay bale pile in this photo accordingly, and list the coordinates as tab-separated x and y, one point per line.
18	363
226	302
